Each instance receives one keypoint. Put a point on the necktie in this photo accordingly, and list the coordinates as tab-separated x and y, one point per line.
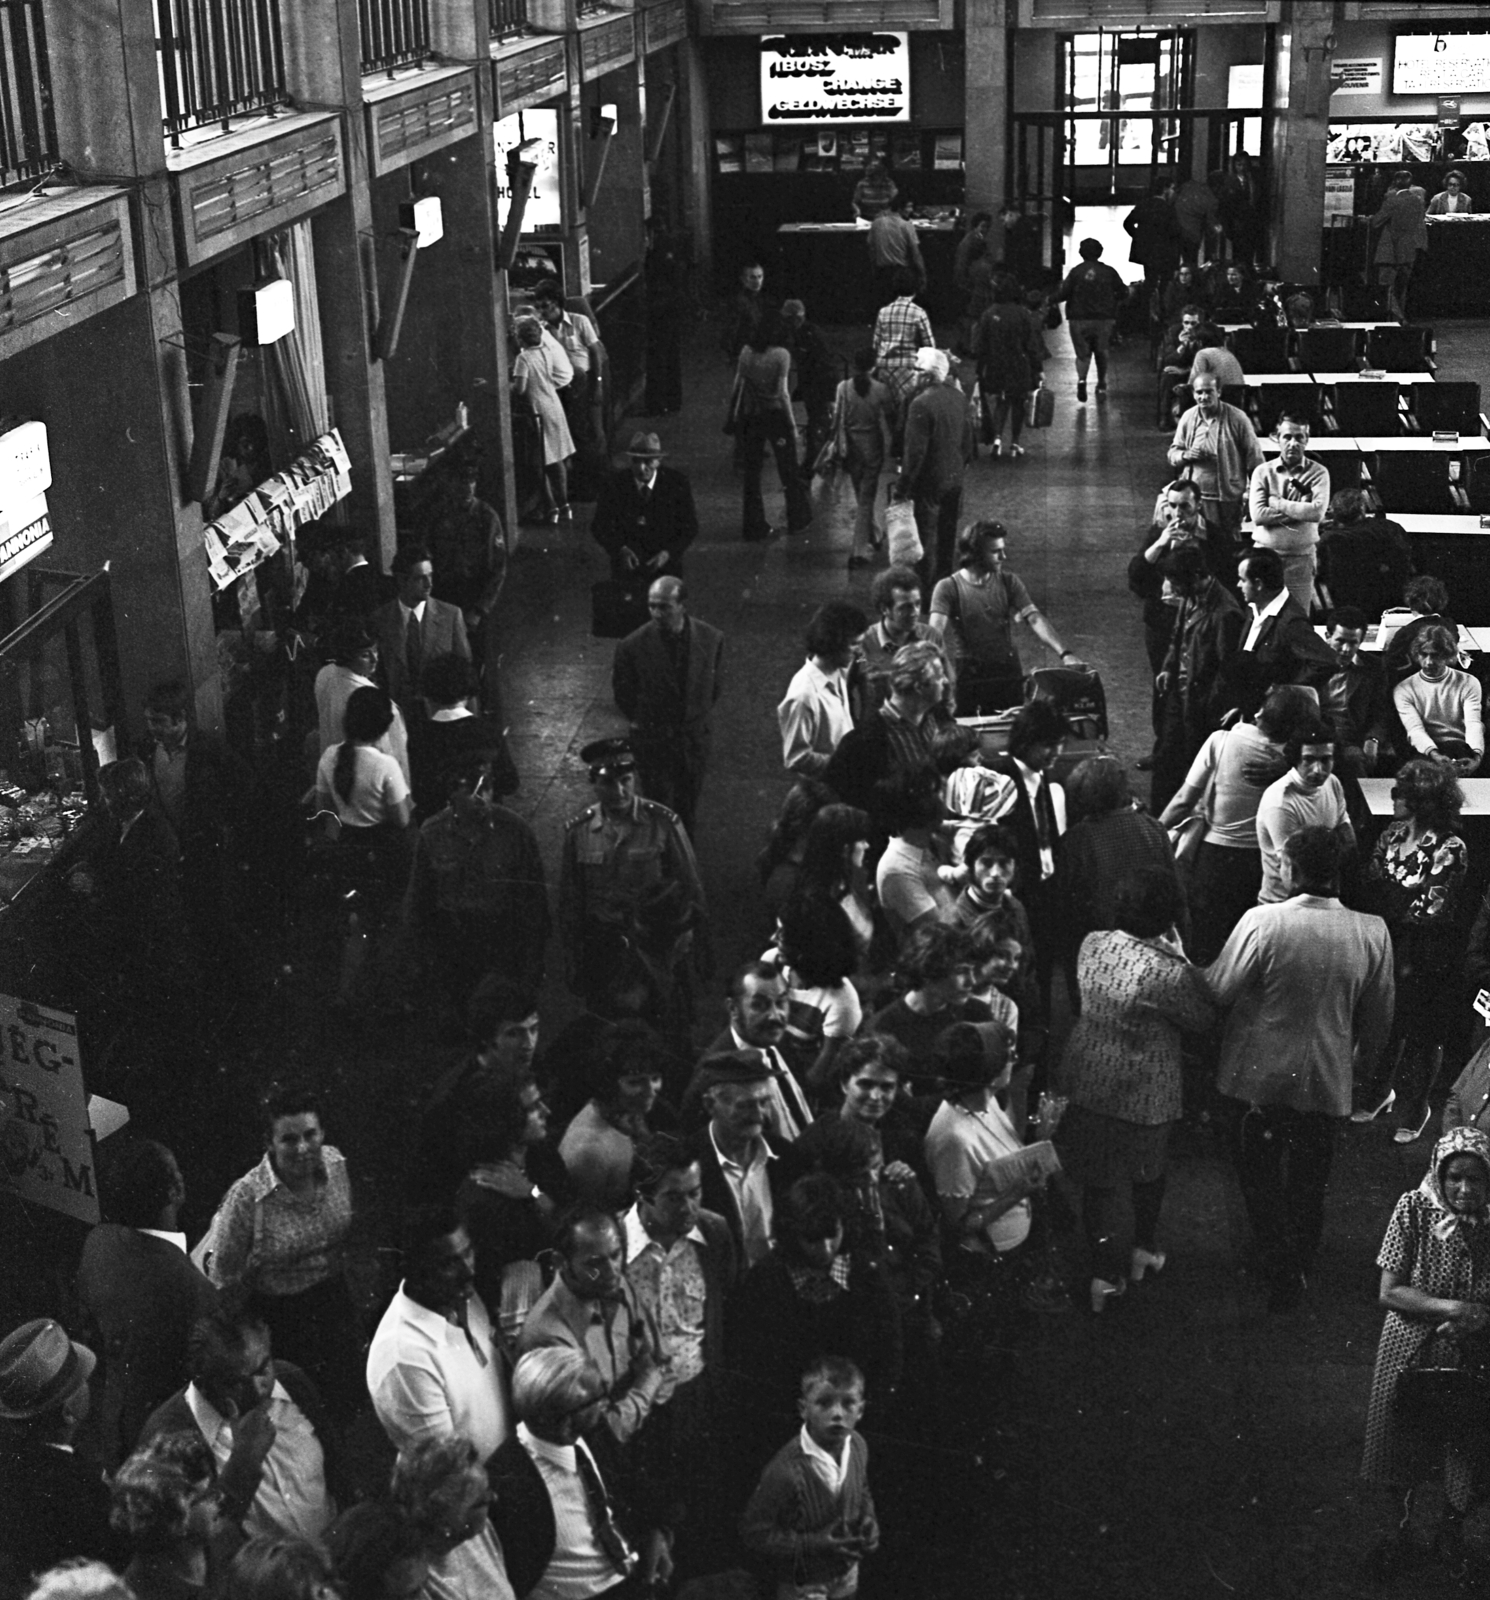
607	1534
463	1323
413	650
791	1090
1044	816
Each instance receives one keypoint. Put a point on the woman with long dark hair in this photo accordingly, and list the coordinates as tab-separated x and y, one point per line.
765	416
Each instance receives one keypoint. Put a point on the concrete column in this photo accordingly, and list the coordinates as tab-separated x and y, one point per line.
1300	96
986	140
615	219
692	114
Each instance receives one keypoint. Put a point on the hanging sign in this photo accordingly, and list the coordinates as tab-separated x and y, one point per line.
835	77
267	516
46	1155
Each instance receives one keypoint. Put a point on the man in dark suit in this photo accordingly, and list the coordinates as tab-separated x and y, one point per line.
666	678
139	1291
547	1467
644	515
206	793
52	1504
735	1158
1278	644
1036	816
415	628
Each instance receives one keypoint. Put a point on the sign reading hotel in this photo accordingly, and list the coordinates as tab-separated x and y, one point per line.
835	77
46	1155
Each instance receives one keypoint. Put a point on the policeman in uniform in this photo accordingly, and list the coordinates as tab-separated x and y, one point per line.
614	853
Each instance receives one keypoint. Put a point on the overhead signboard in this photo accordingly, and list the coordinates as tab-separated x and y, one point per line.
835	78
1441	63
538	130
46	1154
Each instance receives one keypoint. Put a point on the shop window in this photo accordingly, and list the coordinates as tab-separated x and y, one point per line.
1141	73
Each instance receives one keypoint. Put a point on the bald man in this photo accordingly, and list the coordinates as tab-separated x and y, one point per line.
666	678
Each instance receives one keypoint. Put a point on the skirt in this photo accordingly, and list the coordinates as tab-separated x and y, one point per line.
1109	1153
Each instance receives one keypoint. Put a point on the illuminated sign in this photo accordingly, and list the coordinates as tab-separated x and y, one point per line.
835	77
539	130
25	463
1441	63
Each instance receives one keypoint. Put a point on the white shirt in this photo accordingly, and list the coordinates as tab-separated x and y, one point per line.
177	1239
833	1473
961	1147
417	612
1031	780
751	1189
576	333
813	718
580	1568
334	686
425	1379
1271	609
292	1495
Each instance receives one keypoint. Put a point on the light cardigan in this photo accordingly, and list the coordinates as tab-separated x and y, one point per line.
1434	712
1238	453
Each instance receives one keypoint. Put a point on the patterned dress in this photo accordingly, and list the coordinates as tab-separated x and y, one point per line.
1431	1252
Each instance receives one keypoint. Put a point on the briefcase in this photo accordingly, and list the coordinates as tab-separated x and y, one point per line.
617	608
1077	693
1041	407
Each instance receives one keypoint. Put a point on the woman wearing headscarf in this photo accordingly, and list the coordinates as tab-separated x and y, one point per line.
1435	1289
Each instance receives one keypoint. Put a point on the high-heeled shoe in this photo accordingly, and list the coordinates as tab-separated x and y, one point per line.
1145	1261
1370	1114
1103	1291
1412	1135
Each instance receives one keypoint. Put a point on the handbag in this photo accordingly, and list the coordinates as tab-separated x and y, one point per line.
1040	407
1188	834
902	535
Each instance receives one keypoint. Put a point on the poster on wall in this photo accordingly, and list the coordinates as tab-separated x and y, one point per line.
1441	63
835	77
1356	76
538	130
46	1154
1339	196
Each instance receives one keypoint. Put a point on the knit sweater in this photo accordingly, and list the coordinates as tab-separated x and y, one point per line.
791	1499
1435	712
1302	492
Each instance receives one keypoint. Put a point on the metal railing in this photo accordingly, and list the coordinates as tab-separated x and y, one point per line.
508	17
219	59
395	33
587	8
28	128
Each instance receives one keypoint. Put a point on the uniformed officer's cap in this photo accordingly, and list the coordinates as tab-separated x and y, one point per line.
605	757
733	1066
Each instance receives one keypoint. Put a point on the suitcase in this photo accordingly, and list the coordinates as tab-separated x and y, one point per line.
1041	408
617	608
1077	693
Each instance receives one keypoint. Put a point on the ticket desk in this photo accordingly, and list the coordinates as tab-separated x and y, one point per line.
826	266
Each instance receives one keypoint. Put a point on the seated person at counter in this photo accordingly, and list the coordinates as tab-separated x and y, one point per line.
1451	200
1354	698
1439	705
1363	561
1428	600
874	191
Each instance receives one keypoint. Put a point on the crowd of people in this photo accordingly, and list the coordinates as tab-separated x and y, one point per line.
646	1292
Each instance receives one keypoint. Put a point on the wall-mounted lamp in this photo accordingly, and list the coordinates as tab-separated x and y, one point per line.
425	219
604	130
266	312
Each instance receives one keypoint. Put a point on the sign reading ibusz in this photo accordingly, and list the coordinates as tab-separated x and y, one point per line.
835	78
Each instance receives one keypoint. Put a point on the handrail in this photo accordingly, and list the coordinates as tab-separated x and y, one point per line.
28	125
395	33
219	59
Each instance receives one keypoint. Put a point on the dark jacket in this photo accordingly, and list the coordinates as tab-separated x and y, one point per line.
175	1416
646	687
140	1297
864	757
442	631
52	1505
1146	580
1359	704
1287	651
1020	821
1207	633
1155	232
1366	564
720	1199
938	440
668	521
217	811
1008	349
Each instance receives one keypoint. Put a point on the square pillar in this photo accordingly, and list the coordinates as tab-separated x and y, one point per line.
986	140
1300	95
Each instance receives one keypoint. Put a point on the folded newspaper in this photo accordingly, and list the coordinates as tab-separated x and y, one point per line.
1033	1162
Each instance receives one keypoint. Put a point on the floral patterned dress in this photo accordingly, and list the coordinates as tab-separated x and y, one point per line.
1441	1256
1420	890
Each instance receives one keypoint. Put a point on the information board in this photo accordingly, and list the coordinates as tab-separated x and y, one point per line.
46	1155
1441	63
539	130
835	77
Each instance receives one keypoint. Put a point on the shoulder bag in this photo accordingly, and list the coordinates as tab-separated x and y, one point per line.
1187	835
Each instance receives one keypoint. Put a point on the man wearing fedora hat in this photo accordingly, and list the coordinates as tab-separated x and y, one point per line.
52	1504
644	515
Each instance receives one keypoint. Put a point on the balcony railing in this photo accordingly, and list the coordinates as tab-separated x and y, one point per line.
219	59
508	17
395	33
588	8
28	128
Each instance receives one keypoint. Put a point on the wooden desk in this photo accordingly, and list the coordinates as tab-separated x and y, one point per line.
1378	793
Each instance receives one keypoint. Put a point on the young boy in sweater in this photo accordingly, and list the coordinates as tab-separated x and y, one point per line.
812	1517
